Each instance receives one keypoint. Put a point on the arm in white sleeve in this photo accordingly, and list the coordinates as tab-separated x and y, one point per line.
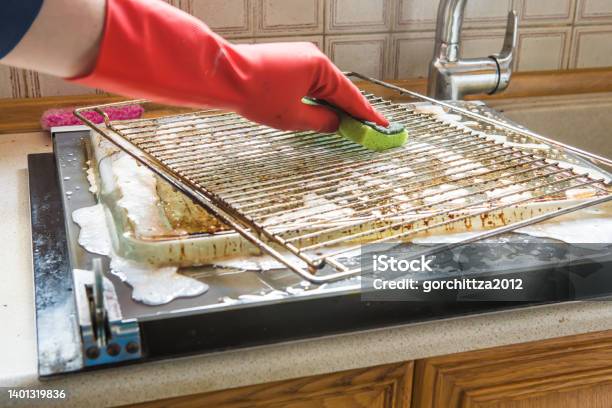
63	39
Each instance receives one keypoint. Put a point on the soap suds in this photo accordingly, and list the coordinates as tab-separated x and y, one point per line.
91	178
580	193
579	227
583	170
139	196
315	208
441	192
588	226
429	109
303	288
59	348
455	120
152	285
503	191
267	262
574	231
93	235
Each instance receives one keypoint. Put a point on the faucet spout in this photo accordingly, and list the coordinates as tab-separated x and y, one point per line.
450	76
448	30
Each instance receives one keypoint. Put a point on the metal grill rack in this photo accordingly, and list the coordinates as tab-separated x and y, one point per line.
308	199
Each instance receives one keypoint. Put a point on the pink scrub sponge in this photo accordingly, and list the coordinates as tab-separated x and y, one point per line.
65	116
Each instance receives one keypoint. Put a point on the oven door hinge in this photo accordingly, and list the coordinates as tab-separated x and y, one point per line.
106	337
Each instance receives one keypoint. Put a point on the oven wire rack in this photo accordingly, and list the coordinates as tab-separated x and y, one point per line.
308	199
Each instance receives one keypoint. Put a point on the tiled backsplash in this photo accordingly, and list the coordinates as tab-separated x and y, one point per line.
390	38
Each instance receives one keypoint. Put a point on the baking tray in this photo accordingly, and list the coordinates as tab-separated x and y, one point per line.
168	243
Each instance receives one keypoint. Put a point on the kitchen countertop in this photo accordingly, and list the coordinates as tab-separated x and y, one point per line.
151	381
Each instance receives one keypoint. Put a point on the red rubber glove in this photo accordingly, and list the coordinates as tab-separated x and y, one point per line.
152	50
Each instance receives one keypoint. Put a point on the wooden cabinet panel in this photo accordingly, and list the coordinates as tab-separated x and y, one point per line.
375	398
387	386
561	373
595	397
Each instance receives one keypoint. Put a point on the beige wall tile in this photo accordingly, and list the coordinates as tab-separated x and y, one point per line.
543	48
487	13
227	17
52	86
20	83
366	54
481	43
5	83
182	4
411	54
249	40
358	16
591	47
289	17
546	12
416	15
594	12
315	39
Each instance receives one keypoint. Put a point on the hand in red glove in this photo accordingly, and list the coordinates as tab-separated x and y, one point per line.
152	50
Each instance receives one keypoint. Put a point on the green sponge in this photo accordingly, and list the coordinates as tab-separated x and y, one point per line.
373	136
368	134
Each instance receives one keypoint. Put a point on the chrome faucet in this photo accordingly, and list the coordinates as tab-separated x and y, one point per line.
450	77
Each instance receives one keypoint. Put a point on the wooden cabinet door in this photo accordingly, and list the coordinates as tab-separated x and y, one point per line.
569	372
387	386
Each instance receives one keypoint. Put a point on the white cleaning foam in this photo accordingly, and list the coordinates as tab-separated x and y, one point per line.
139	196
588	226
152	285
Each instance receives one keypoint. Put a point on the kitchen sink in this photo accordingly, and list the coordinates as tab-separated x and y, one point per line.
584	121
